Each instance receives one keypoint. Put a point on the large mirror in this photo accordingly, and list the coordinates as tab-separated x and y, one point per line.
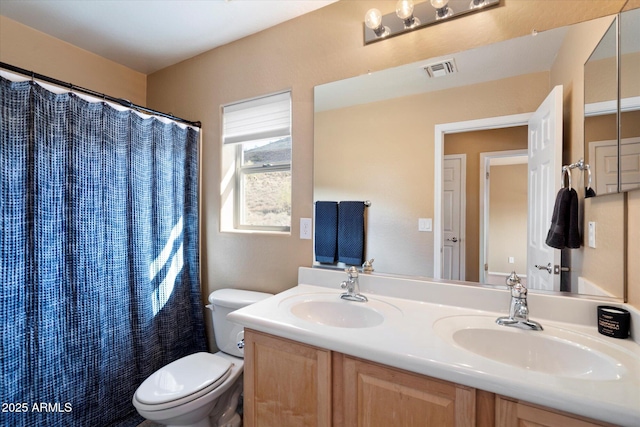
377	139
612	130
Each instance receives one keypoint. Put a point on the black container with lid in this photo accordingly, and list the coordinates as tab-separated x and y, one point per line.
613	321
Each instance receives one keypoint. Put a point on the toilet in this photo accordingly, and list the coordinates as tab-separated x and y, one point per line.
202	389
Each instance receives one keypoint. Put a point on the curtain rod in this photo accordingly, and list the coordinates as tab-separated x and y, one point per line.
119	101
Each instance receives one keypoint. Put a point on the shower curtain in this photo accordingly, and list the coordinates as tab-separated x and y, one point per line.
98	256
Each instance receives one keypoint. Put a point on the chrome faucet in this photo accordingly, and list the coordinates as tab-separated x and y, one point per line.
518	310
352	286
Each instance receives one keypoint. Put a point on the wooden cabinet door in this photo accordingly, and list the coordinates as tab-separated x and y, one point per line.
373	395
286	384
511	413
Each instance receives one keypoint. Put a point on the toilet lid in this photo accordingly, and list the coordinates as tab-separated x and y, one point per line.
190	375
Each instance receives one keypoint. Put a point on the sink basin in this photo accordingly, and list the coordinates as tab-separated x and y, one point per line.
554	351
337	313
329	310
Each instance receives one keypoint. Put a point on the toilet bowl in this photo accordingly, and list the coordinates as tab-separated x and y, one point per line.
202	389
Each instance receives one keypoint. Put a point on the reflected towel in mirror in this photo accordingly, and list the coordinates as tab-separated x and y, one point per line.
564	232
351	233
326	235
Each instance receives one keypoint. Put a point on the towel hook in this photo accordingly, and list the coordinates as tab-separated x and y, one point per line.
566	172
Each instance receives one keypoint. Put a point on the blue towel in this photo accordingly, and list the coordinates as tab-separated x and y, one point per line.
326	243
351	233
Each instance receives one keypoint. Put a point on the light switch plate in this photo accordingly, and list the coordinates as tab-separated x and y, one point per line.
305	228
425	224
592	234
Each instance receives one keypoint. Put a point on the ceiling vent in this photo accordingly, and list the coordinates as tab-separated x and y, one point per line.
443	68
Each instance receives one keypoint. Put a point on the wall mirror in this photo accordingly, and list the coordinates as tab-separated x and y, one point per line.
374	139
612	129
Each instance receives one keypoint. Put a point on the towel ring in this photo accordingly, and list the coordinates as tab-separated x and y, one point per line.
566	172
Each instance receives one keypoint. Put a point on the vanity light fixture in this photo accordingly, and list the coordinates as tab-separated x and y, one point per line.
409	16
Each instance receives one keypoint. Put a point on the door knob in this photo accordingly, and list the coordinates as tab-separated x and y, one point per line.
453	239
545	267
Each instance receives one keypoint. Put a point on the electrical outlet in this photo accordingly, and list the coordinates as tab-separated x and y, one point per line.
512	260
305	228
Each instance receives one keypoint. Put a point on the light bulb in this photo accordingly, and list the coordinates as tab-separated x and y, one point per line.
442	10
373	19
439	4
404	9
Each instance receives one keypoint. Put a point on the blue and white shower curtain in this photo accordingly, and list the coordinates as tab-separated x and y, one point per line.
99	272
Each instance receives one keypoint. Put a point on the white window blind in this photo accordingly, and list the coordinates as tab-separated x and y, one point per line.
260	118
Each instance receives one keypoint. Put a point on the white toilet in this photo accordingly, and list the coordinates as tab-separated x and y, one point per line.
202	389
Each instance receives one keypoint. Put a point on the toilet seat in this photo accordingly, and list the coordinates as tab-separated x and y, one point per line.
182	381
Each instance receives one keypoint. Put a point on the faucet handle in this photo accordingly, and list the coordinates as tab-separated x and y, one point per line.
352	272
513	279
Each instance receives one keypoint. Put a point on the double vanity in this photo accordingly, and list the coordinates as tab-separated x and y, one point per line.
420	350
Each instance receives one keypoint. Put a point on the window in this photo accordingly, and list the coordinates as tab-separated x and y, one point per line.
257	160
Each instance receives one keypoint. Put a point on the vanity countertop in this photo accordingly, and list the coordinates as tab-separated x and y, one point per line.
407	339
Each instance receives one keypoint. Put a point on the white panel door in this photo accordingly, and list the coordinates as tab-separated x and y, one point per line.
630	163
545	171
452	223
603	160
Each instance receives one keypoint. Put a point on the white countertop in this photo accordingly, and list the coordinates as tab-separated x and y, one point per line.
407	339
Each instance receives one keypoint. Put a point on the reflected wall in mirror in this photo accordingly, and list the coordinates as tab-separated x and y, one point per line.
374	140
495	229
614	158
630	100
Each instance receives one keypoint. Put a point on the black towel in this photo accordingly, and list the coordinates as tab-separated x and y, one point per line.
564	221
573	232
555	236
589	192
326	237
351	233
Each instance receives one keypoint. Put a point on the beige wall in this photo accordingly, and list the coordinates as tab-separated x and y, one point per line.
604	264
508	218
32	50
633	248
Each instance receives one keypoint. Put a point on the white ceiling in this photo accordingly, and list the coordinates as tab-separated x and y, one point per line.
522	55
148	35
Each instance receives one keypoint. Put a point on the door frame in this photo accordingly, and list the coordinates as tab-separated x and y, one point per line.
457	127
462	220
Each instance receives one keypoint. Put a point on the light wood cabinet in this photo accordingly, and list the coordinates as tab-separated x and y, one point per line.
375	395
289	384
286	384
510	413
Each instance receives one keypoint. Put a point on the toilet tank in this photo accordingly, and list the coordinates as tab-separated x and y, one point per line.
223	302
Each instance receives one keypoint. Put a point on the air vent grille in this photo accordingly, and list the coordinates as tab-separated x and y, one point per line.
442	68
